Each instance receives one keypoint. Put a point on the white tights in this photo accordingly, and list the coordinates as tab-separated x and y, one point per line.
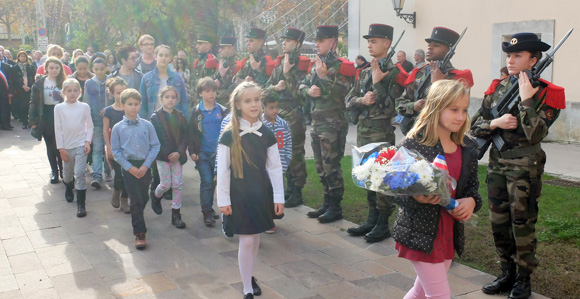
247	254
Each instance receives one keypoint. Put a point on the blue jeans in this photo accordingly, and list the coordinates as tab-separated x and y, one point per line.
98	154
205	166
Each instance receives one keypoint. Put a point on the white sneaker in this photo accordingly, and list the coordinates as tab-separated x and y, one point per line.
271	231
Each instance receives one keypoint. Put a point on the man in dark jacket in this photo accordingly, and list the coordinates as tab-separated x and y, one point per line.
5	97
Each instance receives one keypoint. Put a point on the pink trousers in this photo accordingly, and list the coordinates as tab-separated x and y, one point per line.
431	281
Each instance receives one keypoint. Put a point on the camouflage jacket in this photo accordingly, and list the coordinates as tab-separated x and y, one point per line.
535	115
289	98
385	91
227	82
200	70
334	87
259	75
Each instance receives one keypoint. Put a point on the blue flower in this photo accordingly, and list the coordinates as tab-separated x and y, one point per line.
372	156
400	180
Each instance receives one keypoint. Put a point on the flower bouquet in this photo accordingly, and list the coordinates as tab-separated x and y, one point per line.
401	172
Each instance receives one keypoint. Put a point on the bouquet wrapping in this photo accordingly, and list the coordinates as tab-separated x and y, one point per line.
402	172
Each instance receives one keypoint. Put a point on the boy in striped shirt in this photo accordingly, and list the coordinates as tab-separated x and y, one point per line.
281	130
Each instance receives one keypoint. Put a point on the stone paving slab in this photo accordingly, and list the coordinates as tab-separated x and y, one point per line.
47	252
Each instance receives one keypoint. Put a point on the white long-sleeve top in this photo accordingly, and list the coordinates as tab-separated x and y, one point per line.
273	167
73	125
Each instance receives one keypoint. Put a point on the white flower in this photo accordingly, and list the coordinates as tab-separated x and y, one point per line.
424	170
363	172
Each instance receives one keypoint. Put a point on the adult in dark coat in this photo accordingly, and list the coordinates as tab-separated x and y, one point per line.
5	96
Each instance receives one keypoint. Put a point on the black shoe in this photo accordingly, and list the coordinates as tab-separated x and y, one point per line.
81	198
69	195
214	214
380	231
208	219
367	226
176	218
522	289
6	128
295	198
256	287
155	203
249	296
334	211
321	210
502	283
54	177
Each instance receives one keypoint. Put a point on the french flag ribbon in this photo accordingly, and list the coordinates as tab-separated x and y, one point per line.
441	163
4	78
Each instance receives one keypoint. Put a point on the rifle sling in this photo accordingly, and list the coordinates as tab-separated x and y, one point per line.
520	152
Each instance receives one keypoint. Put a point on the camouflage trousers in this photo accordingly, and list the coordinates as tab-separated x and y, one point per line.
514	187
377	131
297	169
328	141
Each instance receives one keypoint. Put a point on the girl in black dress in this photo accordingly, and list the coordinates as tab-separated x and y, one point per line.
249	179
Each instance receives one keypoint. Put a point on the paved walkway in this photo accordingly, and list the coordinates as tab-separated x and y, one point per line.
47	252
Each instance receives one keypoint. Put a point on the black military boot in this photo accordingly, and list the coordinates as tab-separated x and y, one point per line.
522	289
322	209
69	194
334	211
81	198
295	199
366	226
155	203
380	231
371	221
176	218
504	282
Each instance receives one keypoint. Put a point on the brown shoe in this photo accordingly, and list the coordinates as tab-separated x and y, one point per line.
140	242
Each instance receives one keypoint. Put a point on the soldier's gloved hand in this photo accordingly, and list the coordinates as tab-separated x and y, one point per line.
418	106
376	71
369	98
506	122
314	91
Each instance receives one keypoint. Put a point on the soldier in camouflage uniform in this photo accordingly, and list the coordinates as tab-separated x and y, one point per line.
254	68
225	75
284	81
440	42
514	175
326	85
371	104
204	66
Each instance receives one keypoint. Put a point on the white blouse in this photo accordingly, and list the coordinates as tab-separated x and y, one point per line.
273	167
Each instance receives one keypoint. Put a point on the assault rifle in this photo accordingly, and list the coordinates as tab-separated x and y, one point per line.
509	102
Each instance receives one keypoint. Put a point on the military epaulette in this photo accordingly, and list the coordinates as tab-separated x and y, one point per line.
464	76
493	86
272	64
412	75
211	62
555	95
402	76
304	64
347	68
240	64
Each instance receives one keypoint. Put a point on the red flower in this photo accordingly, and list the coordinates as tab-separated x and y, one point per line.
385	156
